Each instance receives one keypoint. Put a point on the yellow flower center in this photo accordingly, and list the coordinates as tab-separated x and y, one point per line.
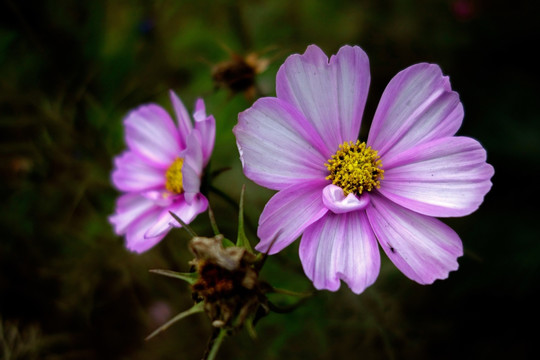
174	176
355	168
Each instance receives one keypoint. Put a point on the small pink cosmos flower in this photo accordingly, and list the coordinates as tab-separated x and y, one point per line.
344	196
161	171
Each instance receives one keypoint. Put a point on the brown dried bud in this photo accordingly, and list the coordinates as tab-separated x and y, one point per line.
238	73
228	282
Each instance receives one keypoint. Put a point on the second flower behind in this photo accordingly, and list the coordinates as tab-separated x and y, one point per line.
161	171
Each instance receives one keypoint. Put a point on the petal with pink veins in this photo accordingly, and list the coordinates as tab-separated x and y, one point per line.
422	247
417	106
132	173
445	177
184	121
135	235
278	146
331	94
129	208
288	213
340	247
151	133
187	212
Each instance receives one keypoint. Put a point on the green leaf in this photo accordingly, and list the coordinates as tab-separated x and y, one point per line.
193	310
226	242
190	277
242	240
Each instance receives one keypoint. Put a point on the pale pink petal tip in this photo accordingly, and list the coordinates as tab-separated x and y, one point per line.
338	203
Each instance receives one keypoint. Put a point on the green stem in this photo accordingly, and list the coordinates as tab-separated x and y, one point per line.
224	196
231	202
216	343
213	221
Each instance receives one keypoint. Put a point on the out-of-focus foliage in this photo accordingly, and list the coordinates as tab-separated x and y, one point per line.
69	72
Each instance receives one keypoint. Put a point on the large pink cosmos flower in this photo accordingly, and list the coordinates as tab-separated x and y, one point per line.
343	196
161	171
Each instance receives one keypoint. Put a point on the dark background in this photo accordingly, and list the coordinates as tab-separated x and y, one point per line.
69	72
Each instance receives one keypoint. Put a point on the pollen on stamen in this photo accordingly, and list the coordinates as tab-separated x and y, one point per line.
174	177
355	168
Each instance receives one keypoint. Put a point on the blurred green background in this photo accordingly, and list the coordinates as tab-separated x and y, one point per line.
70	71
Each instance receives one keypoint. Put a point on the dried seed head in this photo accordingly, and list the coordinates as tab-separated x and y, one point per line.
228	282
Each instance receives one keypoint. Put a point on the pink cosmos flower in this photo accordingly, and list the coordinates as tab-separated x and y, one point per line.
345	196
161	171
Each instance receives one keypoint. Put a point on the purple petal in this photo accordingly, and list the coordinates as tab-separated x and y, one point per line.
129	208
193	155
135	239
186	212
206	125
331	95
445	177
277	145
340	246
133	173
207	128
288	213
422	247
338	203
417	106
182	116
150	132
191	182
200	111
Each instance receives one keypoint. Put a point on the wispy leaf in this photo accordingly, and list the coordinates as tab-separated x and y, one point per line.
193	310
242	240
190	277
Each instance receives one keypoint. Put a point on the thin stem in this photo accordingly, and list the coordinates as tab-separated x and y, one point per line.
215	343
231	202
224	196
213	221
291	293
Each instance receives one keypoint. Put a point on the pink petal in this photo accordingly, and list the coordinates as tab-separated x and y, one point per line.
191	182
150	132
207	128
278	147
445	177
331	95
338	203
186	212
417	106
135	239
133	173
200	111
182	116
193	154
340	246
422	247
206	125
129	208
288	213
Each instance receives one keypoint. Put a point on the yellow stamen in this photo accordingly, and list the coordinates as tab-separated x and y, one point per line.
174	176
355	168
